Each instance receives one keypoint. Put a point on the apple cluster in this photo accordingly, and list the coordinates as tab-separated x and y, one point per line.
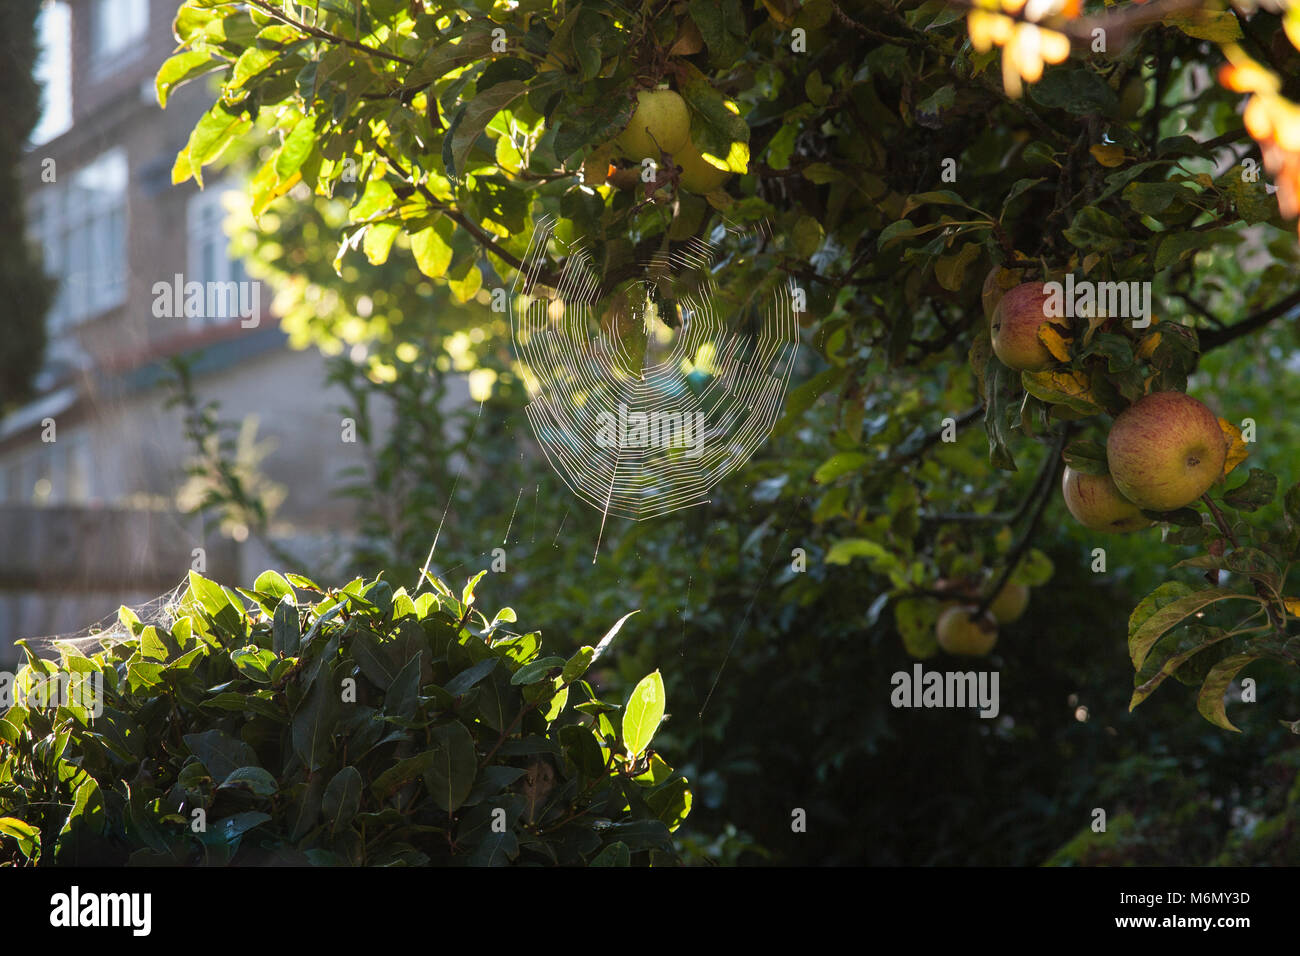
1163	452
960	630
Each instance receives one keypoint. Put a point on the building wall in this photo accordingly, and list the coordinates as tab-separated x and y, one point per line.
98	449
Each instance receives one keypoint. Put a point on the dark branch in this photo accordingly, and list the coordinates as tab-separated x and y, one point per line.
1216	337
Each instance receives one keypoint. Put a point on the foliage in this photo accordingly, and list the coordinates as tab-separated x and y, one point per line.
26	292
896	173
293	723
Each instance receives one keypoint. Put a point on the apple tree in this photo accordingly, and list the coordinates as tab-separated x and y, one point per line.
962	191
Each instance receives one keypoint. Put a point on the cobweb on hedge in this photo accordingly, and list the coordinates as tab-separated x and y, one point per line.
644	408
161	611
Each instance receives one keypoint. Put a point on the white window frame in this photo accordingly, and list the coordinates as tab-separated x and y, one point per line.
81	225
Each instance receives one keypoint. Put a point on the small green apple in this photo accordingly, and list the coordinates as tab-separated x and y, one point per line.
1014	325
661	122
1165	451
697	175
1010	602
959	632
1098	505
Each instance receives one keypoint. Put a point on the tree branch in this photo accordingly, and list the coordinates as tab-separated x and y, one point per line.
1040	495
1273	619
489	244
1216	337
325	34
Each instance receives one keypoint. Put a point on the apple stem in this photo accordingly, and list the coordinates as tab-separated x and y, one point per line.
1274	621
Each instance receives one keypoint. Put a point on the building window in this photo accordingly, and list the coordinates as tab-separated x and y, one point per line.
114	26
81	228
208	259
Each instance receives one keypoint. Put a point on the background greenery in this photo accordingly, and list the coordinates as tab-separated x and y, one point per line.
780	678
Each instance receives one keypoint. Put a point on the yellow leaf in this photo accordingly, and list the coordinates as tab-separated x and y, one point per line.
1067	387
1237	450
1057	344
1089	261
1107	154
1149	345
1292	606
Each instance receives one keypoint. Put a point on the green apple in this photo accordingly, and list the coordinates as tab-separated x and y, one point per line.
1098	505
1010	602
697	175
960	632
1165	451
661	122
1014	325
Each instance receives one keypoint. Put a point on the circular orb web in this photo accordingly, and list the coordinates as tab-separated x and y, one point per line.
644	401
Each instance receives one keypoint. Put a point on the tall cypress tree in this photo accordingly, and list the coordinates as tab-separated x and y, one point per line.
24	291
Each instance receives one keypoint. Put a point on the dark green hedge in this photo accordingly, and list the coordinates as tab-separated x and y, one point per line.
295	724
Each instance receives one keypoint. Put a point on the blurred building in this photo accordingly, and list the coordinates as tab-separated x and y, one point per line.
90	470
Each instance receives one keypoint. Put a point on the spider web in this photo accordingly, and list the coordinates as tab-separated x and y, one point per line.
161	611
643	409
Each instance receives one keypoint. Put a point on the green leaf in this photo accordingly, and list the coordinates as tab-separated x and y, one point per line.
1086	456
1000	385
1249	562
644	711
846	549
179	69
1170	654
209	139
313	724
577	665
1095	230
467	678
1210	701
342	798
616	854
286	634
432	248
297	147
220	753
217	604
722	25
840	464
1259	488
253	779
28	836
1079	91
473	121
451	772
915	619
1034	570
536	671
254	662
1166	606
717	128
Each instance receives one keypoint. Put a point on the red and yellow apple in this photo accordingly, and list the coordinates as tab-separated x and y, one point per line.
1098	505
1014	325
1165	451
